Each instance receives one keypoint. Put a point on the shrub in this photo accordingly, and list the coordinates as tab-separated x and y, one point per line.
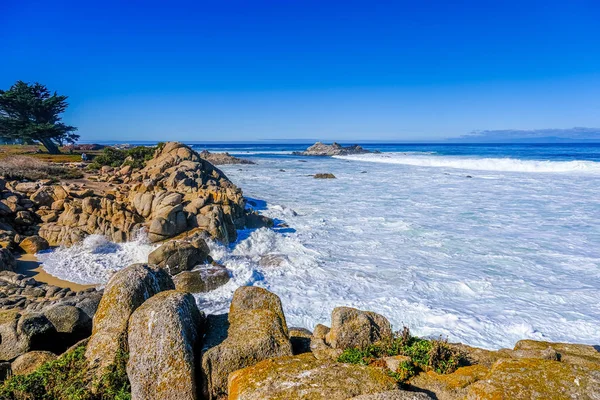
425	355
136	157
30	168
111	157
68	377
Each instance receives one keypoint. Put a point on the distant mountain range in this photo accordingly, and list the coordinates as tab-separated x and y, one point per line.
572	135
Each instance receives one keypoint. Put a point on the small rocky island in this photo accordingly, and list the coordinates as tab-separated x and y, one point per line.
223	158
144	337
334	149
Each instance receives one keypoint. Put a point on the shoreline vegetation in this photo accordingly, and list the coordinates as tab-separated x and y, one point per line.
143	336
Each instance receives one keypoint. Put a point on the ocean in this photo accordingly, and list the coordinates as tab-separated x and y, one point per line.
481	244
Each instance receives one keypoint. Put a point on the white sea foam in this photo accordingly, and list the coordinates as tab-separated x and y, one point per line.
481	164
95	259
486	261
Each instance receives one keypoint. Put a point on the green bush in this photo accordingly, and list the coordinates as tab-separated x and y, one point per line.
136	157
68	378
425	355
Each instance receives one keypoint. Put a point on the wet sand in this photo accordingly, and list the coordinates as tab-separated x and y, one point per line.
28	265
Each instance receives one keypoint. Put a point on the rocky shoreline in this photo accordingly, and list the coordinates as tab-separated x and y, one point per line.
144	337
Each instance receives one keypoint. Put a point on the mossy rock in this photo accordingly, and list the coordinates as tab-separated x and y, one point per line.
305	377
537	379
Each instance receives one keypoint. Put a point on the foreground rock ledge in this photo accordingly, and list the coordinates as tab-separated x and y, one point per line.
305	377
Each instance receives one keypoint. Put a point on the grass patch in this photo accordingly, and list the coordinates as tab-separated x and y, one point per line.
68	377
30	168
425	355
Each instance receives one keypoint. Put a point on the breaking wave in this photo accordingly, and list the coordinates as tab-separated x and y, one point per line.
95	259
481	164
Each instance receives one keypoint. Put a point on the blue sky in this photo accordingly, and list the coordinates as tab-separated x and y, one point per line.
252	70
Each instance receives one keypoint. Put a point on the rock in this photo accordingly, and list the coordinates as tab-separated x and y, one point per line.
355	328
71	323
305	377
29	362
178	256
163	336
320	349
203	279
300	339
537	379
37	331
248	298
273	260
27	187
393	363
175	192
5	371
12	344
569	353
335	149
452	386
24	218
124	293
7	260
394	395
34	244
257	331
324	176
255	221
43	196
222	158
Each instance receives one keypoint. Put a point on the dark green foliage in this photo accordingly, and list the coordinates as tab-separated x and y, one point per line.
67	378
111	157
31	113
425	355
136	157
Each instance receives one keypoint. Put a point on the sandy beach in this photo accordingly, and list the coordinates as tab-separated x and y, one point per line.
28	265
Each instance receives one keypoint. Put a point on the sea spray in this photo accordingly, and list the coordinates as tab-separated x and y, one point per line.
95	259
479	163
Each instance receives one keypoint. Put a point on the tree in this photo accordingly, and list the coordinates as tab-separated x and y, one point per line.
31	113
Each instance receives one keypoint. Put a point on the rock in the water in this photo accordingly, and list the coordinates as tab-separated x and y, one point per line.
324	175
33	244
222	158
178	256
163	337
305	377
355	328
203	279
7	260
29	362
124	293
335	149
257	331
